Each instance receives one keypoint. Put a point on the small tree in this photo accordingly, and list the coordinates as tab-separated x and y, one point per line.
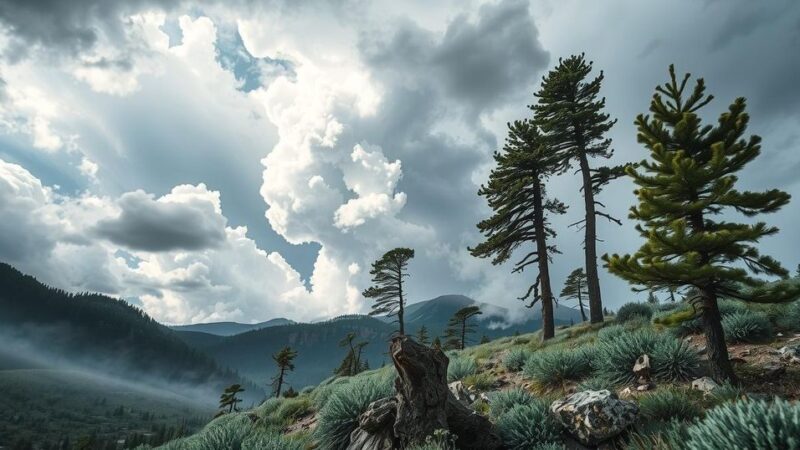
485	339
284	359
422	335
351	364
576	288
460	327
228	401
651	298
437	343
689	180
571	118
387	290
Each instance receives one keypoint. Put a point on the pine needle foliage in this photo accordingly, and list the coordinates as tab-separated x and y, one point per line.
387	290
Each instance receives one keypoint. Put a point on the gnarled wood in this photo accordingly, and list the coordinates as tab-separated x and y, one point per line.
425	404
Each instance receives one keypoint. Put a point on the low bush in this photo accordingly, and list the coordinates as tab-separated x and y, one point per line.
747	425
272	441
729	307
747	326
460	367
479	381
525	426
339	417
629	311
501	402
292	409
670	358
551	368
674	360
668	404
596	383
515	359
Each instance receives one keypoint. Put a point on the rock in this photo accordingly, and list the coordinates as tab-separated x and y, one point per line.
645	387
702	350
790	354
626	393
774	370
594	416
745	352
374	430
642	369
361	439
460	392
779	335
704	384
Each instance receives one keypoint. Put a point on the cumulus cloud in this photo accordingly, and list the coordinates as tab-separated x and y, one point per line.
188	218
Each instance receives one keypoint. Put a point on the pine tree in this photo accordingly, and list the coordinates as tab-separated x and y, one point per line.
573	123
485	339
284	359
387	276
576	288
459	327
689	179
422	335
228	402
516	194
351	364
437	343
651	298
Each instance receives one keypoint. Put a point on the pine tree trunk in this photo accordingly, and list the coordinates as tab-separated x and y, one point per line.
463	333
721	368
548	327
580	304
590	245
280	384
400	310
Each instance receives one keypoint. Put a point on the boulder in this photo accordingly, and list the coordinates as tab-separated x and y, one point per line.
704	384
374	430
592	417
790	354
460	392
361	439
642	367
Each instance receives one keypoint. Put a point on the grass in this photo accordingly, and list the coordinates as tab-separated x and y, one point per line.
501	402
630	311
747	326
515	359
667	404
479	381
552	368
460	367
525	426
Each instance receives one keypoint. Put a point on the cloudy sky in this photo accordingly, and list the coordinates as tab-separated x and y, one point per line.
245	160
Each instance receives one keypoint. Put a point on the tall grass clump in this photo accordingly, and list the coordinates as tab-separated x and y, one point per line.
460	367
339	417
596	383
659	436
667	404
515	359
611	332
551	368
272	440
671	359
747	326
501	402
674	360
525	426
228	432
630	311
747	425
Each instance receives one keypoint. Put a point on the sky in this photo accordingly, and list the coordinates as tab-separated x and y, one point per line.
242	160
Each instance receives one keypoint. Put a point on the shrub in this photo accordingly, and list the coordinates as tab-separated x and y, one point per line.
747	326
659	436
671	359
630	311
525	426
460	367
271	441
674	360
596	383
515	359
292	409
552	368
339	417
747	425
501	402
727	392
479	381
228	431
791	320
667	404
611	332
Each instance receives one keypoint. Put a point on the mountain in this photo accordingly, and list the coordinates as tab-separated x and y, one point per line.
317	343
43	327
230	328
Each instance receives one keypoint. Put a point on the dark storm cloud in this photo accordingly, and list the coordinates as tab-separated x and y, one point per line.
66	26
479	63
149	225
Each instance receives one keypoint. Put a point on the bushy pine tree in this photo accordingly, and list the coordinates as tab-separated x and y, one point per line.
576	288
351	364
688	181
459	328
517	195
228	401
573	124
422	335
387	290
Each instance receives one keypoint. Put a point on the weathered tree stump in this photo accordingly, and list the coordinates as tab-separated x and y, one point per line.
425	403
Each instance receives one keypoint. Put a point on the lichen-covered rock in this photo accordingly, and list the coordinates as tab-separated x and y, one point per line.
704	384
460	392
790	354
594	416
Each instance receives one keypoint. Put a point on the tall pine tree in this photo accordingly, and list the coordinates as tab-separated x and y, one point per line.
459	328
516	194
688	181
387	290
572	121
284	359
576	288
